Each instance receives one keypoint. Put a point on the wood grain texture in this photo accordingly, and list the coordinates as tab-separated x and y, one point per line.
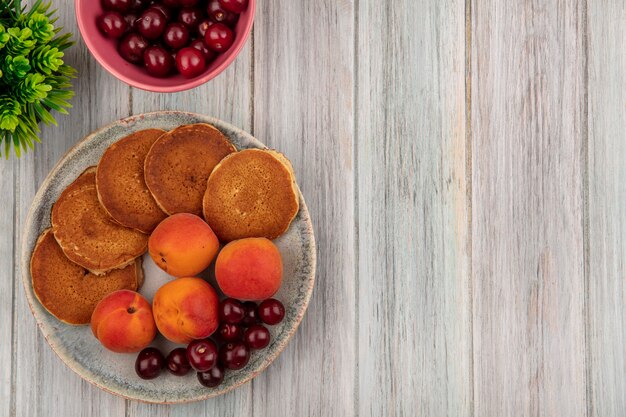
303	107
527	208
413	211
607	208
44	386
227	97
7	290
452	260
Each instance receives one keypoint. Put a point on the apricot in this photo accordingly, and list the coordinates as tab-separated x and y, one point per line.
183	245
122	321
186	309
249	269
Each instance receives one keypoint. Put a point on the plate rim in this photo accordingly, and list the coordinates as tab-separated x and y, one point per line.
26	255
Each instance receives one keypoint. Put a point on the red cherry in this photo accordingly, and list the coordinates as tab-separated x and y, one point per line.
116	5
190	62
139	5
219	37
235	6
271	311
151	24
229	332
132	47
234	355
203	26
213	377
131	19
231	311
251	315
149	363
188	3
112	24
166	11
257	336
190	16
176	35
198	44
171	3
219	14
158	61
202	354
177	362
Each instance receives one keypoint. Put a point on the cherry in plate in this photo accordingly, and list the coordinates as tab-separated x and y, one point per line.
112	24
219	37
158	61
231	311
177	362
213	377
132	48
235	6
202	354
257	336
151	24
229	332
149	363
234	355
271	311
251	314
176	35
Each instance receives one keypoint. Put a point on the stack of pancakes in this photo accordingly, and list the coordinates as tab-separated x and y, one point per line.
102	221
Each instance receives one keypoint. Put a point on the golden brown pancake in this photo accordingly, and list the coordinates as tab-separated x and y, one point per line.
179	164
122	190
251	193
68	291
87	235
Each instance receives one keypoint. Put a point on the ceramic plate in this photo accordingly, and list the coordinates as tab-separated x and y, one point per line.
113	372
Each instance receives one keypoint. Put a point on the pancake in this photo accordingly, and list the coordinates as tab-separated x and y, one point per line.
120	183
68	291
179	164
251	193
87	235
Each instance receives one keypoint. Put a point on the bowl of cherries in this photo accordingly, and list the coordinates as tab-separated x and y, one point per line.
165	45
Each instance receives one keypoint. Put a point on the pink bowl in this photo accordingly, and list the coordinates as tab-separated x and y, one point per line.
105	52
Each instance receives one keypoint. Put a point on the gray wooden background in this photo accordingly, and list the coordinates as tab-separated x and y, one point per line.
464	166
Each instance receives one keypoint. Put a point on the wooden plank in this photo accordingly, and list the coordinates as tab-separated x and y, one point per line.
303	86
7	284
44	385
227	97
527	109
607	204
413	210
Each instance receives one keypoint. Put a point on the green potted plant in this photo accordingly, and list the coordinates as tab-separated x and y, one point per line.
34	80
